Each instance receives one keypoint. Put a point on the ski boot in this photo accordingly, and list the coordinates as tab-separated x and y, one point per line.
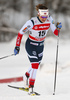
31	91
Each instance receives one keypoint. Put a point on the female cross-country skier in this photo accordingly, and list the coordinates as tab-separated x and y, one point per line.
38	28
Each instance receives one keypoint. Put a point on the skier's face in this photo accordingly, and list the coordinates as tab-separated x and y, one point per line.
43	18
43	14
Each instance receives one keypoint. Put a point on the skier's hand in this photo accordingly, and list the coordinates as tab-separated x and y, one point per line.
59	25
16	50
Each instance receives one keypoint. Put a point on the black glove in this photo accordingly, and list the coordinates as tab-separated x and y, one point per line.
16	50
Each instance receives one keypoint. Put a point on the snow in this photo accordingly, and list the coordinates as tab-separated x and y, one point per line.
17	65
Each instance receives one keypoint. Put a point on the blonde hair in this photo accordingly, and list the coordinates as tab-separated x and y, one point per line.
40	6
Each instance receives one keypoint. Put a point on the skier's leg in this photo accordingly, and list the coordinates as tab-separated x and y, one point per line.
26	77
33	76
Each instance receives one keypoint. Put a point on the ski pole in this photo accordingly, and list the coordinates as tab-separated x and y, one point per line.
56	63
6	56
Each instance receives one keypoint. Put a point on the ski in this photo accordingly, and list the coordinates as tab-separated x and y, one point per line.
24	89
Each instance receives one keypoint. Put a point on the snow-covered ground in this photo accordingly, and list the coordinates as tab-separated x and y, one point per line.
18	65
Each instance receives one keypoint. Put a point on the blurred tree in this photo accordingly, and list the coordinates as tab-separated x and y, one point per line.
17	5
62	6
31	8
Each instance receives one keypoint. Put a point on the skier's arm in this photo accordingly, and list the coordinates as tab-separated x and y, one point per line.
27	26
53	27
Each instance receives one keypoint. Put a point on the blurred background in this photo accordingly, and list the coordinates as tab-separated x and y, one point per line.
14	13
